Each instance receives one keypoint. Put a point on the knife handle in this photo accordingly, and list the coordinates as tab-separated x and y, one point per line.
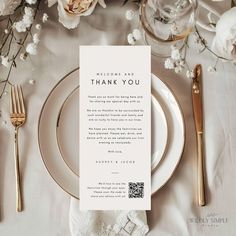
201	175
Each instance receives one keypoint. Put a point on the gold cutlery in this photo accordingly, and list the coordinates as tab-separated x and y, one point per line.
18	118
198	117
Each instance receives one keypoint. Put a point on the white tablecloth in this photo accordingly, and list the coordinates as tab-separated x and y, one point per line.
174	207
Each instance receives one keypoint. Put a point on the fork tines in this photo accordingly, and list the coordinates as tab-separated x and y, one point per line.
17	101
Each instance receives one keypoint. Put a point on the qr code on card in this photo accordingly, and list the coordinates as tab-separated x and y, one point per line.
136	189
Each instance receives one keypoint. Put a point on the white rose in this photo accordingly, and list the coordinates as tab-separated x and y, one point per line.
70	11
7	7
224	43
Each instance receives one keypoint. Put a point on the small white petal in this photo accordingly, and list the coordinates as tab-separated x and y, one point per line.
31	48
129	15
189	74
38	26
137	34
29	11
36	38
178	69
175	54
31	1
169	63
181	62
20	26
45	17
131	39
23	56
31	81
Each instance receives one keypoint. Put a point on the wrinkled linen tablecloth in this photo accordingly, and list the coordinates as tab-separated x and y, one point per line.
174	207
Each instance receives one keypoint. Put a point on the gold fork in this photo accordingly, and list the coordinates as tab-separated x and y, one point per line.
18	118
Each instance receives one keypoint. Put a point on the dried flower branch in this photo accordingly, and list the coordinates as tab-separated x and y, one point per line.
203	42
17	28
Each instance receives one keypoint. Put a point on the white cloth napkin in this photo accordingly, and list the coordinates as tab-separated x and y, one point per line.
106	223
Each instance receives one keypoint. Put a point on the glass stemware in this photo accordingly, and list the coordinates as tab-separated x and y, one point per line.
166	23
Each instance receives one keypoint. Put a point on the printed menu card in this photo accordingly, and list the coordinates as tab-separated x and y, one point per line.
115	128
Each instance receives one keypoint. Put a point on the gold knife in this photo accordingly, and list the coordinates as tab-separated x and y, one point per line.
198	117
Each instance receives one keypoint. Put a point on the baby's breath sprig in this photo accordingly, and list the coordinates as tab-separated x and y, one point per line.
16	31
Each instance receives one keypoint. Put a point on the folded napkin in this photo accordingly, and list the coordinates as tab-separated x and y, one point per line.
106	223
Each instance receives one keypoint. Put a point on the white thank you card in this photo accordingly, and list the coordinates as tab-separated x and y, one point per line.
115	128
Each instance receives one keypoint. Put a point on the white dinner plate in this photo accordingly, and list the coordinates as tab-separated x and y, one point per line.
176	133
68	126
63	100
68	132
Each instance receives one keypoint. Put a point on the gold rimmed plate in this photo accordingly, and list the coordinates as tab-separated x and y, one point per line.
53	130
68	131
49	149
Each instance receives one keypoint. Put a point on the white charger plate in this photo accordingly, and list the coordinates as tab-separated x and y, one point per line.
51	154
